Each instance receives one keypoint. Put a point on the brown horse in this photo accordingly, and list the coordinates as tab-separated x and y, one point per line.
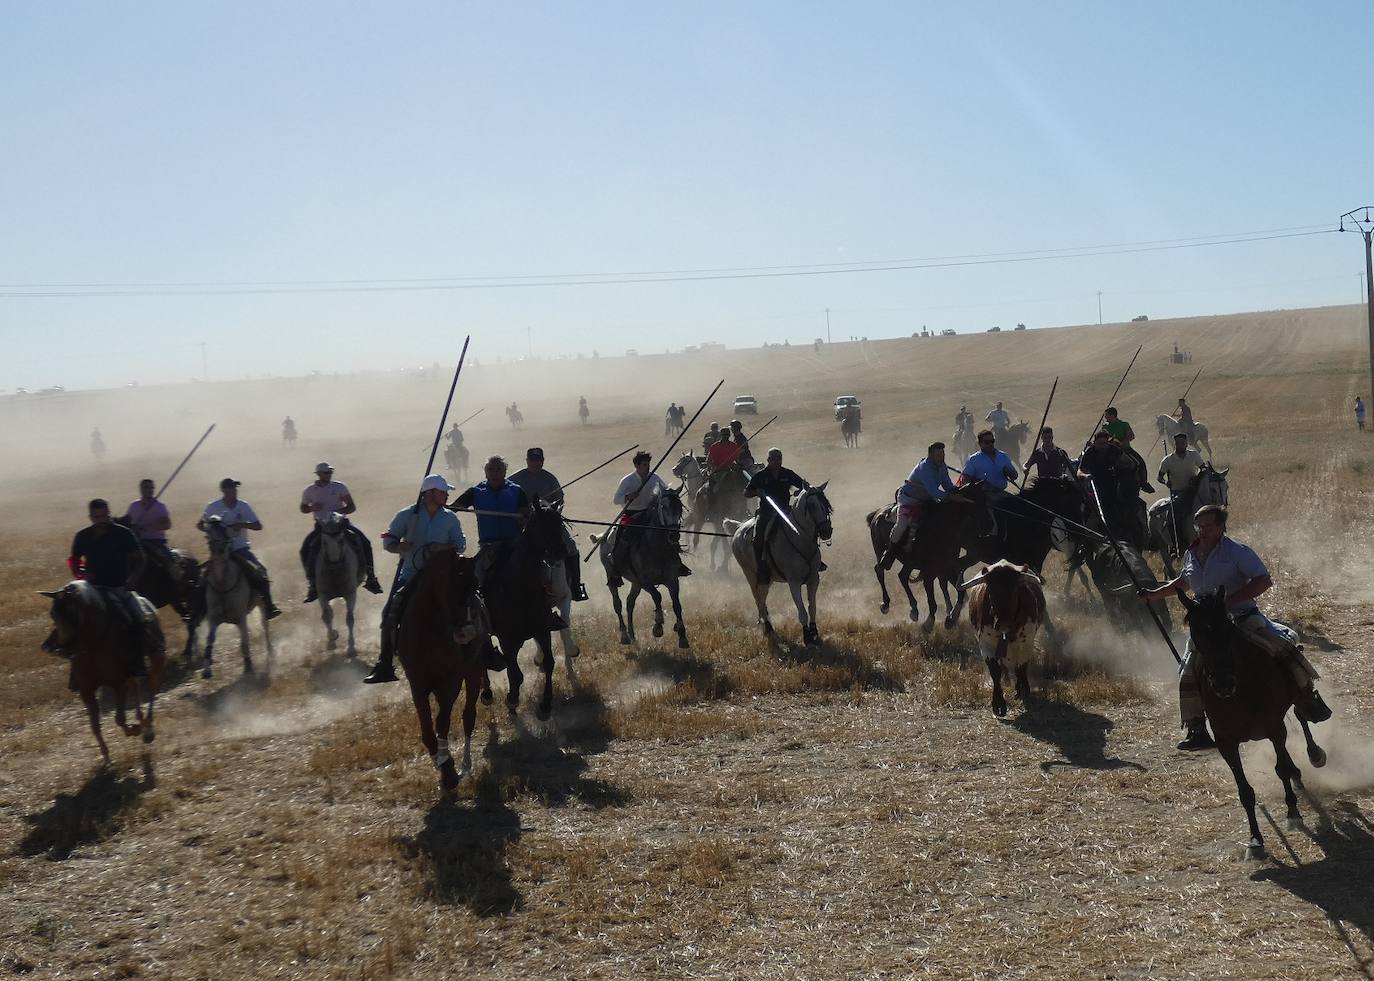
1246	693
98	642
439	644
932	549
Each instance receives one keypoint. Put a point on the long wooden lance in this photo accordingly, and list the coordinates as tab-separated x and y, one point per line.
1036	445
1191	384
599	466
1120	556
666	453
168	482
469	419
1088	442
750	439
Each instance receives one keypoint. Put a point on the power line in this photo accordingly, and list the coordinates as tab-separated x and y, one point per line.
39	290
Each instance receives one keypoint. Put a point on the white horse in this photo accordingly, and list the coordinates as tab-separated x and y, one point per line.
337	576
229	597
796	556
1208	487
1168	426
563	600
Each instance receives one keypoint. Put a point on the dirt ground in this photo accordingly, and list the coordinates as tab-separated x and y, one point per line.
736	809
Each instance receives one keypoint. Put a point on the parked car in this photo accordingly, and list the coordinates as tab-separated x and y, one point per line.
948	332
746	403
1140	319
1020	327
845	402
994	330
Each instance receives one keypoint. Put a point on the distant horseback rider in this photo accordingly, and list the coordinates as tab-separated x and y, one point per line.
964	420
240	518
1177	472
635	494
1184	414
324	497
582	411
540	484
723	454
672	419
1049	460
998	417
150	521
496	533
928	483
711	436
97	443
415	533
1359	412
1215	560
108	556
454	436
773	483
745	458
1122	432
288	430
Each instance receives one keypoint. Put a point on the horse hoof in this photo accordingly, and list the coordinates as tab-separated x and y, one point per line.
543	713
1317	756
885	607
682	641
999	709
1255	852
486	698
928	625
949	623
206	672
658	630
448	776
575	652
625	639
148	734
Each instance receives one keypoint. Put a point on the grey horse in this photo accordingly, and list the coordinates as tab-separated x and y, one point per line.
726	502
1208	487
229	597
338	574
649	559
1167	426
796	556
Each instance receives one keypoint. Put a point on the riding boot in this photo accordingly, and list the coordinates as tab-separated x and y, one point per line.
265	585
1197	737
363	549
383	670
889	557
573	565
310	594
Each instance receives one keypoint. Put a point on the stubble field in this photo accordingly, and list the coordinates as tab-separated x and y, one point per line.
737	809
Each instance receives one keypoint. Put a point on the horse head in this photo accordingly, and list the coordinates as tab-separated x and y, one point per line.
687	467
1212	630
544	529
69	604
1211	487
814	506
218	535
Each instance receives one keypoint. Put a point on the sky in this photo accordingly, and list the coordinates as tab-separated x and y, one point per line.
374	146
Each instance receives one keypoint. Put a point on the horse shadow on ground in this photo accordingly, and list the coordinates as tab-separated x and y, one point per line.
1341	885
231	697
92	814
695	672
337	676
548	761
864	671
1080	736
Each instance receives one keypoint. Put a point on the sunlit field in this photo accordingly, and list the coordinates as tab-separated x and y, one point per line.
739	808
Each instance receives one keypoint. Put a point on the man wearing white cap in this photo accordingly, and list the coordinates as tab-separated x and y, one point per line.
324	497
415	533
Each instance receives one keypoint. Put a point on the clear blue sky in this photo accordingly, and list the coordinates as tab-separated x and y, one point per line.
183	143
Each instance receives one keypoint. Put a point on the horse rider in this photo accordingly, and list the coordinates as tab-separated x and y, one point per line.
288	429
1047	459
540	484
1359	413
1177	472
454	436
1184	414
97	442
994	468
928	483
711	436
508	507
108	557
1099	465
745	459
582	411
773	483
324	497
1122	432
964	420
414	534
998	417
150	520
240	518
1216	560
636	493
670	419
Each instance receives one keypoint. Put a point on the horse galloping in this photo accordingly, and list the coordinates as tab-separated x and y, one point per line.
649	557
1170	516
851	425
229	598
1167	427
456	456
338	573
98	641
796	556
185	592
932	548
439	641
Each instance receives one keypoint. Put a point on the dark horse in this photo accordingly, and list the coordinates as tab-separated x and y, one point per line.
1024	524
98	641
650	557
933	549
516	593
185	593
439	644
1246	693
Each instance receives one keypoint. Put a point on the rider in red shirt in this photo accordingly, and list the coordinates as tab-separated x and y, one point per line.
723	453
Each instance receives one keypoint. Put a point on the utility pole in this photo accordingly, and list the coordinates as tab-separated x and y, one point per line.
1361	222
1361	275
827	325
1099	308
204	364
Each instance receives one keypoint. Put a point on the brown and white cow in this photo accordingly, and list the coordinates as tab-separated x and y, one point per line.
1006	607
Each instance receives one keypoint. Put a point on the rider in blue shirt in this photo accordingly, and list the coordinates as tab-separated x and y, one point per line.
990	464
498	497
928	482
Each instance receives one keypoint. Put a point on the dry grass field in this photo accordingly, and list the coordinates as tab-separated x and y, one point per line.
734	810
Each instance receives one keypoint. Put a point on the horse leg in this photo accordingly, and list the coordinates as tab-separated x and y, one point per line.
267	642
881	575
510	650
795	588
1230	752
327	615
952	618
93	713
446	696
1288	773
679	628
1315	754
1023	690
420	698
544	641
999	700
243	643
904	578
658	610
213	629
928	580
350	601
630	613
473	686
619	615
